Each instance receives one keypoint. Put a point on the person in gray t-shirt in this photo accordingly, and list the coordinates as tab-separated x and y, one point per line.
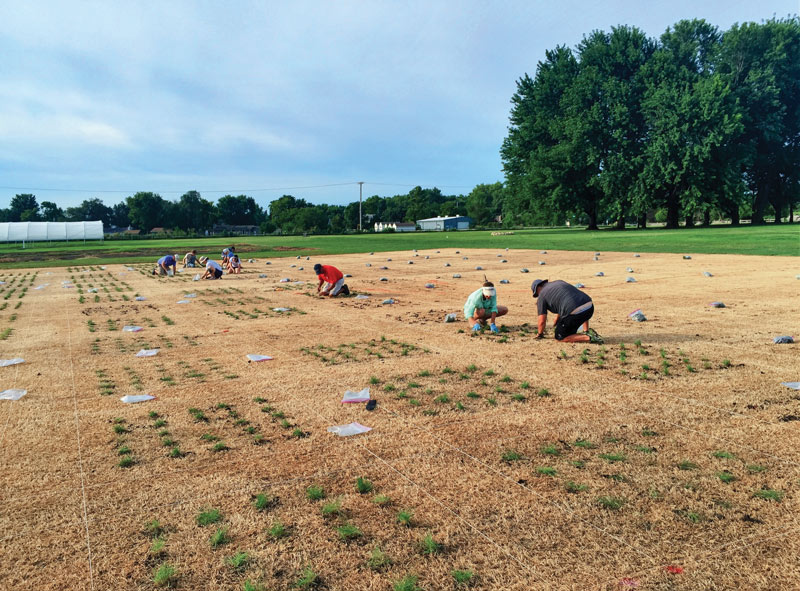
572	308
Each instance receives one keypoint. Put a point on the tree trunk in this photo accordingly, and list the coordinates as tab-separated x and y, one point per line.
641	221
707	218
689	220
672	209
760	202
621	222
791	212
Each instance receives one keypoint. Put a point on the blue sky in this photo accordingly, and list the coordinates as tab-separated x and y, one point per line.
102	99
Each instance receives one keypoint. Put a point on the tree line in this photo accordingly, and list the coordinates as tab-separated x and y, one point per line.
192	214
696	123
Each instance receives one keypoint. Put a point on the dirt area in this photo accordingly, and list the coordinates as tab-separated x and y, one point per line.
666	459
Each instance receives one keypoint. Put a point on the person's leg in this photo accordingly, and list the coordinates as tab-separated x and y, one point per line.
477	317
337	287
567	327
502	310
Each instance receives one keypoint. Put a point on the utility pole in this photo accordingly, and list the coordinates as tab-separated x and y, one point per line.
360	187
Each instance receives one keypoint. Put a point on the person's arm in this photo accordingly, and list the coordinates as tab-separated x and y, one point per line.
555	321
542	325
319	285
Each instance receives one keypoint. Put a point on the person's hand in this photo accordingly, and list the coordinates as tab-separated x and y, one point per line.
476	327
493	328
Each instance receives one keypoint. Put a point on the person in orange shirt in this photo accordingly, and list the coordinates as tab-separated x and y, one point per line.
332	279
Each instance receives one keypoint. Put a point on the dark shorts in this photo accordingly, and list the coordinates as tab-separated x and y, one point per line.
217	273
568	325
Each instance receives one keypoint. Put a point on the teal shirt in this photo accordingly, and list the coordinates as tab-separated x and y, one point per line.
475	300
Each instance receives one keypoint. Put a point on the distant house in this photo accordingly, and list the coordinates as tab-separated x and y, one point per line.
243	229
158	230
396	226
455	222
131	232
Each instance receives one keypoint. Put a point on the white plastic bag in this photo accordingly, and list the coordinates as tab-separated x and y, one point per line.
131	329
133	399
362	396
792	385
147	353
450	317
140	298
281	309
12	394
257	358
637	315
184	302
196	277
347	430
7	362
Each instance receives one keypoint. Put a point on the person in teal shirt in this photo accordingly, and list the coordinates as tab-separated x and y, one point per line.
481	306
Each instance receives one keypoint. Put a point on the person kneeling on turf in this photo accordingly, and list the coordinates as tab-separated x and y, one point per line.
213	268
481	306
572	308
333	280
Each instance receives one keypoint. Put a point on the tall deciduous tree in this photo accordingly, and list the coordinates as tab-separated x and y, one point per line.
23	208
147	210
239	210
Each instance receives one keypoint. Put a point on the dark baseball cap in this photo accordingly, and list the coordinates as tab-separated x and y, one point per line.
317	268
536	284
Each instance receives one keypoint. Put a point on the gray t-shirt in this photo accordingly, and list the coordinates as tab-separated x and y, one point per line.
560	297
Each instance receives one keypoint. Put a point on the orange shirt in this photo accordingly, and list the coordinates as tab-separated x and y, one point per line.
330	274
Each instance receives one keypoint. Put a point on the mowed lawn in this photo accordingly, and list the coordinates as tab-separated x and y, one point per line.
783	240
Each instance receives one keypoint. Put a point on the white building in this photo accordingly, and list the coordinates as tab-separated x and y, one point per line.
396	226
453	222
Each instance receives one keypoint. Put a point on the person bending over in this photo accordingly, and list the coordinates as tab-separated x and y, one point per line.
331	281
164	263
481	307
572	308
213	269
189	260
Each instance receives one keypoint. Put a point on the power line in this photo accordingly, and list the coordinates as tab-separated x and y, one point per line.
176	192
232	191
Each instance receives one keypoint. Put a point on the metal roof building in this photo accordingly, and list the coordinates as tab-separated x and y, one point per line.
455	222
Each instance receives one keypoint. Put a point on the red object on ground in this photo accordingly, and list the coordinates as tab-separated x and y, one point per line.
674	570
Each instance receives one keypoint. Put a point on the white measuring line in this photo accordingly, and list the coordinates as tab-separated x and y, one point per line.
80	455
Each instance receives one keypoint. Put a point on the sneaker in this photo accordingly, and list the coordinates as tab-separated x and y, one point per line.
345	290
594	338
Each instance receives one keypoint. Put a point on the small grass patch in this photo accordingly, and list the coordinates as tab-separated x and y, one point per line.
405	517
687	465
348	532
546	471
263	501
207	517
462	578
726	476
308	579
219	538
363	486
769	494
613	457
550	450
164	575
725	455
429	546
407	583
126	462
510	456
382	500
378	559
611	503
332	508
574	487
238	561
315	493
277	530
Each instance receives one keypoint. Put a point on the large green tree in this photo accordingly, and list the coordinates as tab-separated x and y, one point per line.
23	208
192	212
761	63
147	210
239	210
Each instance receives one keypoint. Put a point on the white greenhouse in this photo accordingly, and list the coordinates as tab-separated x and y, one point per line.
44	231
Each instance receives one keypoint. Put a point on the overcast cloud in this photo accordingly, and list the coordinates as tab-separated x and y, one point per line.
111	97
